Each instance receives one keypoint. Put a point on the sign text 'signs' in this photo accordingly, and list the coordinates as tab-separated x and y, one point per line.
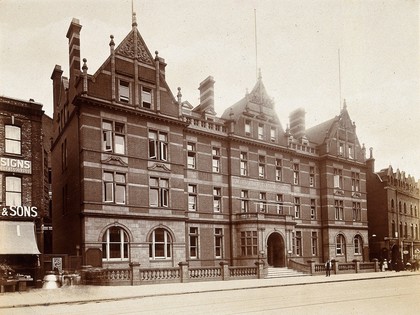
20	211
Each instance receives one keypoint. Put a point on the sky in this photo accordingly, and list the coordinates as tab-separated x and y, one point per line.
312	54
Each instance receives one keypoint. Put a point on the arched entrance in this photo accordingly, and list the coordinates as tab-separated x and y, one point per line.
275	251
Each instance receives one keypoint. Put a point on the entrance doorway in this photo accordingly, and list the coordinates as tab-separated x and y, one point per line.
276	251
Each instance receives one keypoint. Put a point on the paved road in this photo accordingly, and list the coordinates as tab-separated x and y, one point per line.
399	295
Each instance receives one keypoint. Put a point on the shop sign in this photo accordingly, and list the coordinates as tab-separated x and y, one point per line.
20	211
15	165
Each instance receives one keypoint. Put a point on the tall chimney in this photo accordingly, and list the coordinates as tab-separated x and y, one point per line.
56	78
73	34
207	93
297	123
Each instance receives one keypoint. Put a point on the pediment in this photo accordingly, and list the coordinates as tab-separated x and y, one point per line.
114	160
133	47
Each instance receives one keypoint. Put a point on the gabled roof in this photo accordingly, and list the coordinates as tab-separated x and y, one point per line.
318	133
134	47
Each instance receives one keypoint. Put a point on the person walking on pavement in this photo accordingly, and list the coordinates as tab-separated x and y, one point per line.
328	268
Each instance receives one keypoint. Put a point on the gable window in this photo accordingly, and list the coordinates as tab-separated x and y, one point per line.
273	134
193	234
13	191
191	155
249	243
160	244
218	242
247	127
192	197
146	97
217	199
261	166
158	145
113	137
216	160
351	151
340	149
339	210
260	132
114	187
244	201
278	170
12	139
296	174
340	245
115	244
159	192
358	245
243	164
124	91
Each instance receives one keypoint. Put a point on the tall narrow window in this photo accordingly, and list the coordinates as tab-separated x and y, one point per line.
12	139
217	199
296	174
192	197
160	244
261	166
124	91
159	192
313	209
244	201
158	145
247	127
244	164
311	176
393	229
405	230
114	187
338	178
216	160
341	149
113	137
357	215
13	191
297	243
260	132
279	199
115	244
278	170
146	97
314	244
273	134
355	182
297	207
263	202
218	243
64	155
191	158
249	243
340	245
193	242
339	210
358	245
351	151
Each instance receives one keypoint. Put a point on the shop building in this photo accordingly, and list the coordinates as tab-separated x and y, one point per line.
24	193
394	218
141	176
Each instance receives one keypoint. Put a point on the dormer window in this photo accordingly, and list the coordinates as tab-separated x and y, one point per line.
146	98
124	91
351	152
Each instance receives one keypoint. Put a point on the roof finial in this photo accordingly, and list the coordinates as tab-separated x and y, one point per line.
134	24
259	74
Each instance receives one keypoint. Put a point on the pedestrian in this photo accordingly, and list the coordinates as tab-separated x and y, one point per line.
385	265
328	268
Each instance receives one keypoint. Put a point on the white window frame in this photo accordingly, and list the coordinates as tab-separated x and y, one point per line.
12	139
123	245
166	243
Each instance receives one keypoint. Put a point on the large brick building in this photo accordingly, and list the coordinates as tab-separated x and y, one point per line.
394	214
139	175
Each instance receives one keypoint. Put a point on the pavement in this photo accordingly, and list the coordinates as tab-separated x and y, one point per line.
88	293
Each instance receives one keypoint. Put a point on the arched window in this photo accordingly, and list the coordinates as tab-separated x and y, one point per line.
115	244
358	245
160	244
340	245
393	229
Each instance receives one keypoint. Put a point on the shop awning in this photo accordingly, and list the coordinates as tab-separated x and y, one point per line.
17	238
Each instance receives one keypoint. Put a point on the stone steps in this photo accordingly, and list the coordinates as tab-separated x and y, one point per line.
283	272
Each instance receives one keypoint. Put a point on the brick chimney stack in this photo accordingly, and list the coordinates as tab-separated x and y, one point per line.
207	93
73	34
56	78
297	123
